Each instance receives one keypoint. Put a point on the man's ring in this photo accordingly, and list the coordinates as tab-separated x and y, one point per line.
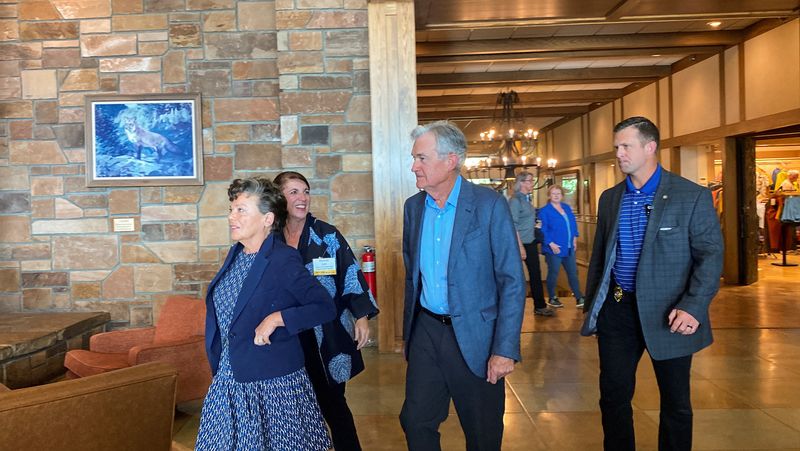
689	327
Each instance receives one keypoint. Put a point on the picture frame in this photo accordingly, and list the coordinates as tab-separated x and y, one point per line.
569	180
144	140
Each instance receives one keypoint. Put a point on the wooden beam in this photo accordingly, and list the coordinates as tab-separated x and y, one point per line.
489	113
622	9
572	43
511	84
393	114
763	26
566	55
421	11
559	76
554	97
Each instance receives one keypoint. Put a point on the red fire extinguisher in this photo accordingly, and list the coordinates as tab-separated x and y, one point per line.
368	268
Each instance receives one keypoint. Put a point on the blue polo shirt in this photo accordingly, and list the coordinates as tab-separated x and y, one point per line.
637	205
434	251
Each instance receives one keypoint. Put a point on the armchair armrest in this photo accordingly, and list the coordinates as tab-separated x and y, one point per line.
187	355
185	351
121	341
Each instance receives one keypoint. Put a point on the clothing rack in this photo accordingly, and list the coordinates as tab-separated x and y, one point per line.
784	227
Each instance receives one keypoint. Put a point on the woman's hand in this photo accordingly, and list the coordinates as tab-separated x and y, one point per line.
575	243
555	248
522	253
361	332
267	327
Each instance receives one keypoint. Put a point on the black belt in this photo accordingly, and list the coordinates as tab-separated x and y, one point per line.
444	319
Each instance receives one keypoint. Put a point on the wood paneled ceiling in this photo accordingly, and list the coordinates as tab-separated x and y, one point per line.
565	57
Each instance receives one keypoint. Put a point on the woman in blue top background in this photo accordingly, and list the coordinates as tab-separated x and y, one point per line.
332	350
560	232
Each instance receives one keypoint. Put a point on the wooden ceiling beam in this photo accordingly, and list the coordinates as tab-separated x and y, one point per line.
572	54
489	113
621	9
587	75
516	84
551	97
572	43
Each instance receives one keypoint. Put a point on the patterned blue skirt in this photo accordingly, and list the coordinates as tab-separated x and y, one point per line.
279	414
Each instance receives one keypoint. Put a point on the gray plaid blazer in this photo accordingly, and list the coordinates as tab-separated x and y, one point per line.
679	267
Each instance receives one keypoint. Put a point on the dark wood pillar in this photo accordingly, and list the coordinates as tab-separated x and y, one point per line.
748	219
739	220
730	217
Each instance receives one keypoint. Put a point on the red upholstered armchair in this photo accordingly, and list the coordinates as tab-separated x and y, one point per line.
177	338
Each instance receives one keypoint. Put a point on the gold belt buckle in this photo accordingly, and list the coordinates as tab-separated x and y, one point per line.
617	293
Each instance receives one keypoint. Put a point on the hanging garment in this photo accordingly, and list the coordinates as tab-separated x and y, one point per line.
791	209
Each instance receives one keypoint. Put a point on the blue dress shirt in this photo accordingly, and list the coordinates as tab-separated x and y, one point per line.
434	252
633	214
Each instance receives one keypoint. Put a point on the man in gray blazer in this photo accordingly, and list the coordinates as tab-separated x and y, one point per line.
464	297
654	269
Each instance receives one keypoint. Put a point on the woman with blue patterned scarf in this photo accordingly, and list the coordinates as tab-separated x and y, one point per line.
332	350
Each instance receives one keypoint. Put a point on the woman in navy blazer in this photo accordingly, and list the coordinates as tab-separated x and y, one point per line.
560	231
261	298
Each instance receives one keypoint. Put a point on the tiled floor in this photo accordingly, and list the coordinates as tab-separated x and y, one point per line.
745	387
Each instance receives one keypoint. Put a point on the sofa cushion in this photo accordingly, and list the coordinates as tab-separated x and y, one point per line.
181	317
87	363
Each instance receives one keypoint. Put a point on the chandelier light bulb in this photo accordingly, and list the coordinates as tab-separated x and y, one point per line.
538	161
535	134
551	163
483	136
511	133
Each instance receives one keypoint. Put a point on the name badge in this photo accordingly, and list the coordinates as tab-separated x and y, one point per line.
324	266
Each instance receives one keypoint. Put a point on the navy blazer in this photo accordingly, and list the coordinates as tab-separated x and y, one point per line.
485	282
679	266
276	281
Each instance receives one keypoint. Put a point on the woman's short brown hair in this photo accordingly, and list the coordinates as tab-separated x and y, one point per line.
268	196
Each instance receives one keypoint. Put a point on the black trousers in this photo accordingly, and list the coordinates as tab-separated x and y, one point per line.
330	398
535	274
436	373
621	344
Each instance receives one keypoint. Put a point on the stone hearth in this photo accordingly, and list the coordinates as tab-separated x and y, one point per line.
32	345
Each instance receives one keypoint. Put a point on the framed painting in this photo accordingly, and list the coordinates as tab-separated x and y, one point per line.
144	140
570	181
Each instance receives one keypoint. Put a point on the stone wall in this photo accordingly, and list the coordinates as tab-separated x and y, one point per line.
284	83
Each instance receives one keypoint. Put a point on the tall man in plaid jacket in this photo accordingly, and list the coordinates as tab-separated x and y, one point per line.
654	269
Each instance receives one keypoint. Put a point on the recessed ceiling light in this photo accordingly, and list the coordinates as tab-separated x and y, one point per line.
656	55
714	23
